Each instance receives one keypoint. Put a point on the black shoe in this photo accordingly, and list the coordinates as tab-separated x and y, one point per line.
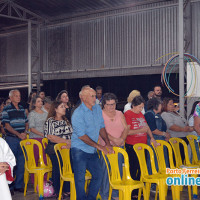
19	190
12	192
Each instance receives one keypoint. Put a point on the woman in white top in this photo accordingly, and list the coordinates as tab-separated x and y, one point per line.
130	98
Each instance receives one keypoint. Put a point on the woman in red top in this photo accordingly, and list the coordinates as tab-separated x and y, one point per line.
138	130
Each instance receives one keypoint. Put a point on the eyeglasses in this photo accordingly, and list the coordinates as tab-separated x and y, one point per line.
111	104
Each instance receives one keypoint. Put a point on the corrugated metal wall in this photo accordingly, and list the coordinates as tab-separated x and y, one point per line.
114	43
117	43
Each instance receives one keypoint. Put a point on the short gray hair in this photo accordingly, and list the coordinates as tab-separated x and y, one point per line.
85	86
12	91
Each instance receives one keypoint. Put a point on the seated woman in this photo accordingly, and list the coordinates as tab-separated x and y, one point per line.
158	128
36	120
7	162
176	125
57	129
117	129
138	130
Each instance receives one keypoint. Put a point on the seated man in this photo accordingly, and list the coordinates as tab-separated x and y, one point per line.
16	125
7	162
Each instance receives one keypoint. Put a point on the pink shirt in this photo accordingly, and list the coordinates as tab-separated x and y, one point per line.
113	127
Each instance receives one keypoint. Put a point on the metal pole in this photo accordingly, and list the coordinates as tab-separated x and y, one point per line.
29	58
181	61
39	59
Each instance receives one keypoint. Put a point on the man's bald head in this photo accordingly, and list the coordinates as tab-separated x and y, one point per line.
88	96
83	88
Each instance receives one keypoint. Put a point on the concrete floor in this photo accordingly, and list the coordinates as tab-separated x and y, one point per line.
33	196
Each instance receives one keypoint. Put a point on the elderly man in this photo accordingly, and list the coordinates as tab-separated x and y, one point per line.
16	124
88	123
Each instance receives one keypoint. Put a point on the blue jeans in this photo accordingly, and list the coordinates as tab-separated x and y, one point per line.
197	149
91	162
14	144
104	190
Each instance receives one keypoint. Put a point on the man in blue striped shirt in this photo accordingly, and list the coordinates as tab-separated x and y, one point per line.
15	122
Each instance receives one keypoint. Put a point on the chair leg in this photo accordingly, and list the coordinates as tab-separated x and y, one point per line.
144	193
175	192
156	195
162	190
189	192
40	185
61	188
139	193
148	186
166	189
120	194
72	190
194	188
35	182
110	193
26	178
127	194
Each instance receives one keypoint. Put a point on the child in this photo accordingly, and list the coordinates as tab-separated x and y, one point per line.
7	162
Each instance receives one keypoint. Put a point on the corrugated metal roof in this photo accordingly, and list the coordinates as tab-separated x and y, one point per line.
61	9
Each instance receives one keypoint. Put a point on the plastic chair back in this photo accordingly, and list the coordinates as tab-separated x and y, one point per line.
140	151
191	139
113	171
161	157
28	151
175	143
62	152
45	142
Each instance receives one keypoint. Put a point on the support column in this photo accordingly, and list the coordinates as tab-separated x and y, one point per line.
29	58
181	59
39	60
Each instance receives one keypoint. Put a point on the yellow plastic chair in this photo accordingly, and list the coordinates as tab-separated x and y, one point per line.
1	135
125	185
66	170
162	165
31	167
175	143
191	139
158	178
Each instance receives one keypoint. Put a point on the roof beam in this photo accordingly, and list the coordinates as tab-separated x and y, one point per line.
9	9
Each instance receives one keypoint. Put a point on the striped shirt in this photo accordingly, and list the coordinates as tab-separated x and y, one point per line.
17	119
